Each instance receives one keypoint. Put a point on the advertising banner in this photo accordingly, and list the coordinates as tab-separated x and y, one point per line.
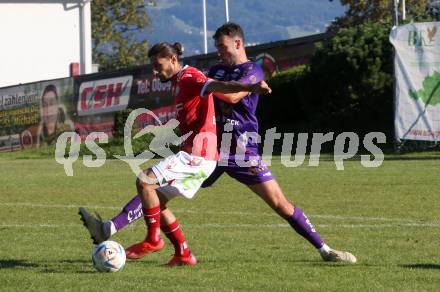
417	72
35	114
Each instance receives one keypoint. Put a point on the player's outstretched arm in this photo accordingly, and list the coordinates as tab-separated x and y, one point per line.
232	97
220	88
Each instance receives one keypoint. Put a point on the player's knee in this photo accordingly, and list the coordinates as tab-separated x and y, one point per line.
139	184
143	185
145	181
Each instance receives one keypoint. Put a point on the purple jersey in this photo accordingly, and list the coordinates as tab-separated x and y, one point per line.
241	116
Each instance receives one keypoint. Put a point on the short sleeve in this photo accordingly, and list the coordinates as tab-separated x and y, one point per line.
193	83
252	73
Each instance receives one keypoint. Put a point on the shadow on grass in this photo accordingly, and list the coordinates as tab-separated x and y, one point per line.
422	266
11	264
293	262
68	271
75	262
68	266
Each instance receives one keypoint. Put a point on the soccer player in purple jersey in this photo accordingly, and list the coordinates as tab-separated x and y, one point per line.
235	114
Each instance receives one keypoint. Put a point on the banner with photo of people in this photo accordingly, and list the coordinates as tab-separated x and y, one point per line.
34	114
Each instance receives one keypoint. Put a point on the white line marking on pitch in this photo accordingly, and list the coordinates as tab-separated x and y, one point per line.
225	226
400	221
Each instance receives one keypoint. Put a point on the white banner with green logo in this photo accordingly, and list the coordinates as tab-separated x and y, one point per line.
417	72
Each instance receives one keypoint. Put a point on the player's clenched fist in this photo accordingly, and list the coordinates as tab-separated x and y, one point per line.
261	88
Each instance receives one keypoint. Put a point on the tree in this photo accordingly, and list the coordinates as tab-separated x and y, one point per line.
114	27
347	87
380	11
353	80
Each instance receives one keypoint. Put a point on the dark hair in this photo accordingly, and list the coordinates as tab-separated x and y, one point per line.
165	49
230	29
60	114
49	88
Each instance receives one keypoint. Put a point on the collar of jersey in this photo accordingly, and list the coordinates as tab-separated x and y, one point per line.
181	71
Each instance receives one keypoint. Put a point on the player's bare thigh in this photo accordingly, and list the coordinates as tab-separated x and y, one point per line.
270	191
146	183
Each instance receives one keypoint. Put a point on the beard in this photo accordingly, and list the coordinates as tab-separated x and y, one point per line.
162	79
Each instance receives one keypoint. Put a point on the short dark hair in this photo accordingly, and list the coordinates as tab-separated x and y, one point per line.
230	29
165	49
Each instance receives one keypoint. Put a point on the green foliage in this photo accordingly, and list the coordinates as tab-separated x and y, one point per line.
115	146
114	27
120	118
285	108
346	87
430	93
378	11
352	78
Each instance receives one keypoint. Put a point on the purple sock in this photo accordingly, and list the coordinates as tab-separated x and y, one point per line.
130	213
302	225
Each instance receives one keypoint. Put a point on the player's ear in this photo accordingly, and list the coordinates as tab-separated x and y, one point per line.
174	59
238	43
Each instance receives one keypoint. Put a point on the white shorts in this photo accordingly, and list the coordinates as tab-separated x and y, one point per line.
182	174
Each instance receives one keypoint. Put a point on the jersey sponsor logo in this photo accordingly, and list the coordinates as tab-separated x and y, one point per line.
253	79
105	95
233	122
310	224
133	215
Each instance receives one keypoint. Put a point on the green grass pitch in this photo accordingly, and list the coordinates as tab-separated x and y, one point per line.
387	216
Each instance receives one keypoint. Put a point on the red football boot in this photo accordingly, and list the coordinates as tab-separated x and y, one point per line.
141	249
182	261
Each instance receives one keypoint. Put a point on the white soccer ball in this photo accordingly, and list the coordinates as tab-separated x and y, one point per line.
108	256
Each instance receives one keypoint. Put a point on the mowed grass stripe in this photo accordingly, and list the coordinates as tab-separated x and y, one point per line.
388	217
330	217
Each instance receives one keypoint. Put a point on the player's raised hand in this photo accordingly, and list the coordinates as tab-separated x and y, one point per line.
261	88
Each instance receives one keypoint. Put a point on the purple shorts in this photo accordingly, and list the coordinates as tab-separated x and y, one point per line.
246	175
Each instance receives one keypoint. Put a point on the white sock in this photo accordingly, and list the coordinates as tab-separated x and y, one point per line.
325	249
109	228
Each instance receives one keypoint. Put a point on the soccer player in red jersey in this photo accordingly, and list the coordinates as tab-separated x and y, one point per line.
183	173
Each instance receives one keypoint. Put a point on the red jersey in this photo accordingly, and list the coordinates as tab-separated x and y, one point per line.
195	113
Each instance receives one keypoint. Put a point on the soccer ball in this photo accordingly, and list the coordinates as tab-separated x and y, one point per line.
108	256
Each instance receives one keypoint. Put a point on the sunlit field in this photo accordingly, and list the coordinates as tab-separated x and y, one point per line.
387	216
